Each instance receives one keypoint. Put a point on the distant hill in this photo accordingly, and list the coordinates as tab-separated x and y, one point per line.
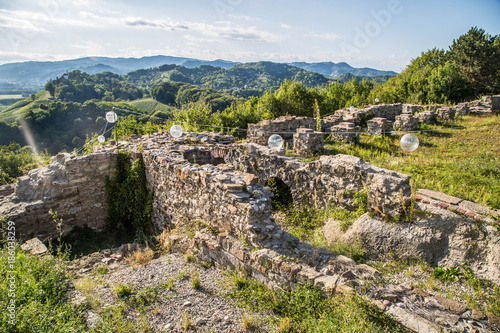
242	80
334	70
34	74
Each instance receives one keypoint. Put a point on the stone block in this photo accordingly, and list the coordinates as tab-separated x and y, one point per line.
346	132
406	122
379	126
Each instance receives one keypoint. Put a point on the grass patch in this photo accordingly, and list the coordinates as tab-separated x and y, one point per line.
41	294
307	309
460	162
195	281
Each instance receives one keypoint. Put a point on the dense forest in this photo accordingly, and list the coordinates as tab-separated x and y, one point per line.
80	87
77	104
243	80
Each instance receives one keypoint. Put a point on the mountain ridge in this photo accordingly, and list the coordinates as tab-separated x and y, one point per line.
34	74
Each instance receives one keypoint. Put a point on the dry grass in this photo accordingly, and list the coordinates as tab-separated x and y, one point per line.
165	240
249	322
141	257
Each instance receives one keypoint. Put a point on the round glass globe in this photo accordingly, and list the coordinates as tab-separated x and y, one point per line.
111	117
101	138
275	142
377	100
409	143
176	131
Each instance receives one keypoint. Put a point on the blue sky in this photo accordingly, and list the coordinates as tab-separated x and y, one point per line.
384	34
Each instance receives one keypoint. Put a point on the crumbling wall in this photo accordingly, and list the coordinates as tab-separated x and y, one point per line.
74	187
284	126
331	179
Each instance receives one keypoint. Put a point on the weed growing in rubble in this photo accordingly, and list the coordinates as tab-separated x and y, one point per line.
308	309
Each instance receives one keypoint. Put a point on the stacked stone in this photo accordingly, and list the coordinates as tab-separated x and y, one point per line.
285	126
445	114
427	117
226	200
379	126
307	142
346	132
406	122
74	187
357	116
412	109
461	109
434	107
389	111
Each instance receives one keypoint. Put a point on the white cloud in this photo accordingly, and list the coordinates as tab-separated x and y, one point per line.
285	26
324	36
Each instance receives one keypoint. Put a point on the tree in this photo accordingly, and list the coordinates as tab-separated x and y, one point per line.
477	55
51	88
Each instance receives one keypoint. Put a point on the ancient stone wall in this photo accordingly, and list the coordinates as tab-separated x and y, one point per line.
307	142
331	179
225	200
284	126
74	187
406	122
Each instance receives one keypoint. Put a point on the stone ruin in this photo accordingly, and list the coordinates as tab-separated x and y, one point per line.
406	122
379	126
346	124
284	126
346	132
307	142
210	179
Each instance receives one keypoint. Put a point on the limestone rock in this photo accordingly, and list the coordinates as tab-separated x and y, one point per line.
34	246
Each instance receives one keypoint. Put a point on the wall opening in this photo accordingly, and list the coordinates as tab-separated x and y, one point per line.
218	160
282	193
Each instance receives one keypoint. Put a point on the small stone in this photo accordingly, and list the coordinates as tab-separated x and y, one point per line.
34	246
478	314
380	305
450	305
187	303
440	321
226	318
390	297
200	322
421	293
386	303
169	326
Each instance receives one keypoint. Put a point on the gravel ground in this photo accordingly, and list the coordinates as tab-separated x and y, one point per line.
207	308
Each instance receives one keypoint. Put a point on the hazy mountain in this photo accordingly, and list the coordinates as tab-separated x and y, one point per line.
34	74
334	70
37	73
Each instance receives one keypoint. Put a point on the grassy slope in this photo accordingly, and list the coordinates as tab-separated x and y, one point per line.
19	108
462	160
150	105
